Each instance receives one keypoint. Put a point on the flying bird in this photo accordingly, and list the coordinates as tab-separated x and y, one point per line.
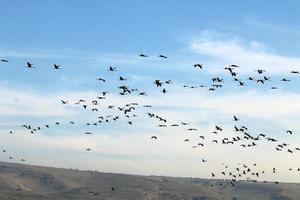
29	65
162	56
200	66
143	55
56	66
112	69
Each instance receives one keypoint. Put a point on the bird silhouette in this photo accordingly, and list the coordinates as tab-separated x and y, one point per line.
29	65
198	65
162	56
112	69
56	66
143	55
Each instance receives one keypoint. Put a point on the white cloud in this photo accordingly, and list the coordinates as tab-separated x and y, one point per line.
250	56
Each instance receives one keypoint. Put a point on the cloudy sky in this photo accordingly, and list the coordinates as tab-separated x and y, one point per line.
87	38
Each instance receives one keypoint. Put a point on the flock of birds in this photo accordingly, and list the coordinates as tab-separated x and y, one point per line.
245	138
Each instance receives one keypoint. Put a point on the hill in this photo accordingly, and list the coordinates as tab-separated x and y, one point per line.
25	182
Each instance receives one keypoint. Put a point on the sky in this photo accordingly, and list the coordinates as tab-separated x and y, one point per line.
85	38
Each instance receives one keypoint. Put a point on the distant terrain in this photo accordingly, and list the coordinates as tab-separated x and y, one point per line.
25	182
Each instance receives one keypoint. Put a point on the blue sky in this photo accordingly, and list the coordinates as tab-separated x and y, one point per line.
87	37
102	26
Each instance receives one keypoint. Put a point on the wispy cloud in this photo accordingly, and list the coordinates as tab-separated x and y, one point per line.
250	55
253	20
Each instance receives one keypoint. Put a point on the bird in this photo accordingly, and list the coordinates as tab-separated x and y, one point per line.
122	78
164	91
4	60
191	129
162	56
285	80
168	82
235	118
198	65
260	71
143	55
56	66
295	72
29	65
158	83
154	137
112	69
64	102
185	123
100	79
218	128
289	132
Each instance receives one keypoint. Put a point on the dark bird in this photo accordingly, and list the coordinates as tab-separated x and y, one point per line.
64	102
158	83
101	79
122	78
241	83
154	137
185	124
295	72
260	71
289	132
218	128
198	65
57	66
4	60
260	81
235	118
112	69
191	129
143	55
29	65
162	56
285	80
